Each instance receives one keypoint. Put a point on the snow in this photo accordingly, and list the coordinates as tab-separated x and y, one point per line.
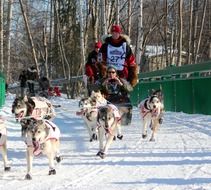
179	159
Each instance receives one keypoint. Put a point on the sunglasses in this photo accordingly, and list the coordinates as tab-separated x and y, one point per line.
111	72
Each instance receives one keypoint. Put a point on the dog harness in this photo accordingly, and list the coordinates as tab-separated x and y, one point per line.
144	109
116	111
54	133
42	108
116	116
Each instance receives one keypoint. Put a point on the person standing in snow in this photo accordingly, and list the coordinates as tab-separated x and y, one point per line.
32	76
23	78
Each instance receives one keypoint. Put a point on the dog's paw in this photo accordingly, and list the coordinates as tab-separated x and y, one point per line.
160	120
28	177
101	154
52	172
94	136
7	168
58	159
144	136
152	139
120	137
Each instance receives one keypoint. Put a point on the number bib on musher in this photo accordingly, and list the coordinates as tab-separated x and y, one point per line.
116	56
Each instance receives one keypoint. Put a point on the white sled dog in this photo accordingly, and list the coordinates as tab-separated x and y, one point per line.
3	144
151	111
101	101
36	107
108	121
88	111
42	136
32	107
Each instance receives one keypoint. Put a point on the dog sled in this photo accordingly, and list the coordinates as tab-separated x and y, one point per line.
125	107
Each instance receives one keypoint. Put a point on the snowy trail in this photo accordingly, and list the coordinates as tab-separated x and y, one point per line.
180	159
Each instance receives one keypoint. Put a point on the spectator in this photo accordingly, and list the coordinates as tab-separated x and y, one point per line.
23	78
116	51
32	76
51	91
57	91
91	67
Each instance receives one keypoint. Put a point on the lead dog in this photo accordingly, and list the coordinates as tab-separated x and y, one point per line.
42	136
32	107
109	121
151	111
88	112
101	101
3	144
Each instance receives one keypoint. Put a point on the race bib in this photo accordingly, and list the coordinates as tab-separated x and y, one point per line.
116	56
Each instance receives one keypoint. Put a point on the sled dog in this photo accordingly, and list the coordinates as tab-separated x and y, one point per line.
151	111
3	144
108	121
88	111
32	107
98	97
42	136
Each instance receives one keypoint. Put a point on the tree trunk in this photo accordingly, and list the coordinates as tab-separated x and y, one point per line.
1	37
200	32
195	23
103	16
117	11
82	64
9	17
190	32
139	48
129	18
50	39
46	52
166	32
30	37
179	48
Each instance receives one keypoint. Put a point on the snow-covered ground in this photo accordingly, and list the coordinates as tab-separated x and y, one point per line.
180	159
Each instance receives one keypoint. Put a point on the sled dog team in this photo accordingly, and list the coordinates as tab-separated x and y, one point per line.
102	119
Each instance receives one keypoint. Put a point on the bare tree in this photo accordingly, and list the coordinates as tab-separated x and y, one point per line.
166	31
1	37
140	33
29	37
129	18
103	17
9	16
180	6
190	31
117	11
200	31
195	23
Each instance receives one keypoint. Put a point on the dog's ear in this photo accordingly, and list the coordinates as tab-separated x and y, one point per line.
17	95
25	98
151	92
109	109
93	93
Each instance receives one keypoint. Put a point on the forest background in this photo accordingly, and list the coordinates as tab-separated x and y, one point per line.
56	36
